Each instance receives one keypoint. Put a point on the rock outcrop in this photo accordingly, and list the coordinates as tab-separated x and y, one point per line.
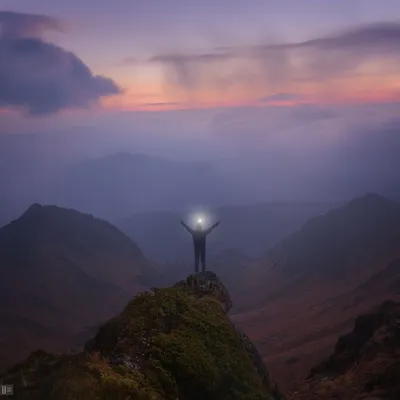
171	343
208	284
365	363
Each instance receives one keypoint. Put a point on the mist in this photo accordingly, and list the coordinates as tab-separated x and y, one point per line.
174	160
287	124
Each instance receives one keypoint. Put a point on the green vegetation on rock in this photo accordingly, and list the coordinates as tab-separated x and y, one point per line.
166	344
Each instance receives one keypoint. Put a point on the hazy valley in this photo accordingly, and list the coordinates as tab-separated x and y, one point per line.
255	141
65	273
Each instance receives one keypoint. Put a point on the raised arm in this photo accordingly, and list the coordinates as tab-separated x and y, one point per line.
187	228
211	228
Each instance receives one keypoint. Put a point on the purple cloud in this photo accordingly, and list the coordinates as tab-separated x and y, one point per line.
275	65
40	76
204	57
17	25
378	35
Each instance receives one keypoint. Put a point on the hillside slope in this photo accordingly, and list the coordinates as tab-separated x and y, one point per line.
62	272
312	286
173	343
365	363
366	228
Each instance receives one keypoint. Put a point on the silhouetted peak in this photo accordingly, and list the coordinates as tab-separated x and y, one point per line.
33	209
371	200
334	239
37	210
371	197
369	206
63	225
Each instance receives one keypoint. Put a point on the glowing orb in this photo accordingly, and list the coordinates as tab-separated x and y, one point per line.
199	217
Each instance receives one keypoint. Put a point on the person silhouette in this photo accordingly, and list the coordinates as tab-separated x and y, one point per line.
199	241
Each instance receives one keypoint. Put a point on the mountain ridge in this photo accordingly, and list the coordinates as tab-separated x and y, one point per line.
366	220
62	271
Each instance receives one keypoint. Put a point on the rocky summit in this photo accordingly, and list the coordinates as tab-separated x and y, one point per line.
170	343
208	284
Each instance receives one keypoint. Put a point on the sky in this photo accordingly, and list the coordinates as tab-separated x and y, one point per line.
191	54
288	85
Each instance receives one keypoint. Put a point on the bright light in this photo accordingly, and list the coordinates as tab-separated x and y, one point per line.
199	217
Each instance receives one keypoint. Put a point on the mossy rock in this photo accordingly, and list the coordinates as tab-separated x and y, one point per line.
166	344
208	284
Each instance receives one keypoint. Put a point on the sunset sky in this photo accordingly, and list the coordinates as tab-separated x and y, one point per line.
198	54
295	88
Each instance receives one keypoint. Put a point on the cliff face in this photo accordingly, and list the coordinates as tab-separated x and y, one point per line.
173	343
365	364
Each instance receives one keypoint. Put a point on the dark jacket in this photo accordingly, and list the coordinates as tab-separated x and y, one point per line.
199	236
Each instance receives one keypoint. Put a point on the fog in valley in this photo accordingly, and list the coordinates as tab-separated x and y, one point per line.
139	162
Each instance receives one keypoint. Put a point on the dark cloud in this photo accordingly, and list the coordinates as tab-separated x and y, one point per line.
17	25
274	65
40	76
378	35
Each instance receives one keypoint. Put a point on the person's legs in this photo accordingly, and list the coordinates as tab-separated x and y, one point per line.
196	258
203	258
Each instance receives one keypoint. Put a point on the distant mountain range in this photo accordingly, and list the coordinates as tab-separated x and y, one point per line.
61	272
